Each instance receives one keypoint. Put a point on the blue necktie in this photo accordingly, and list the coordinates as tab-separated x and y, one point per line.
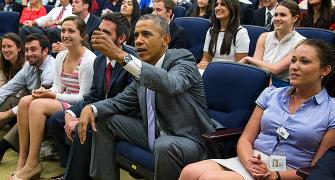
151	119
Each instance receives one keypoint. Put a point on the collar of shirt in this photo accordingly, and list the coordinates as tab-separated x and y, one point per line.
69	6
285	38
159	63
272	11
45	63
318	98
87	17
112	61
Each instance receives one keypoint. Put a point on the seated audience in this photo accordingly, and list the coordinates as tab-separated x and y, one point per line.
292	125
113	5
32	12
264	16
227	39
273	49
202	8
319	14
164	8
168	75
11	6
48	24
131	10
82	9
40	71
73	79
109	79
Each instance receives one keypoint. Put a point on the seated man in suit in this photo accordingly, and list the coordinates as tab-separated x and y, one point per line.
167	91
263	16
325	167
164	8
109	79
82	9
48	24
12	6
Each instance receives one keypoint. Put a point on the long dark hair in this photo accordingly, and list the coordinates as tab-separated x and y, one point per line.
324	20
231	30
135	15
208	13
5	66
326	54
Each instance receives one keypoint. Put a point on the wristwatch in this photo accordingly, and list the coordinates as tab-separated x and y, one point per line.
126	59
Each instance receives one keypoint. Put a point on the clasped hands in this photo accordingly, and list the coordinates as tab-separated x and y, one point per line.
257	168
42	93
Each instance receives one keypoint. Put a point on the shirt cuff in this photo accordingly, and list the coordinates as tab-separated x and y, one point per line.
71	113
95	111
134	67
14	109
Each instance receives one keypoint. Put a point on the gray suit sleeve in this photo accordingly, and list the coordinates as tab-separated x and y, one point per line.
181	75
122	103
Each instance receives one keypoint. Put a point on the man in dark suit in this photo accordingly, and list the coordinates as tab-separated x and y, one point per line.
117	28
164	8
11	5
82	9
264	16
167	91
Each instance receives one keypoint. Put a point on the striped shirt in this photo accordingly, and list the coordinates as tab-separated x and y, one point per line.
70	83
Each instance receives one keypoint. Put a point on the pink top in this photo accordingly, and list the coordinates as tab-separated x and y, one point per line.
28	14
70	84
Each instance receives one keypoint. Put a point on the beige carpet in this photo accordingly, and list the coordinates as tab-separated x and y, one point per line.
50	168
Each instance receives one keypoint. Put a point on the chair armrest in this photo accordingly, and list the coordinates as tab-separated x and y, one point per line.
305	171
222	135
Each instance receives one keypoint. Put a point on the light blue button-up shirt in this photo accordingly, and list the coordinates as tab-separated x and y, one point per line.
26	78
306	126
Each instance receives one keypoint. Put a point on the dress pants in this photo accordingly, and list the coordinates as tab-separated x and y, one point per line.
171	153
325	167
55	124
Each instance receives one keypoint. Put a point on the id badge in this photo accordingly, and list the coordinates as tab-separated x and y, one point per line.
281	131
277	163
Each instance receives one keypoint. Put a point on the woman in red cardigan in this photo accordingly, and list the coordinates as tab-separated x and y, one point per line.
33	11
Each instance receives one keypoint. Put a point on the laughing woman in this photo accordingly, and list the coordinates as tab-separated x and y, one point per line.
273	49
72	80
297	122
227	39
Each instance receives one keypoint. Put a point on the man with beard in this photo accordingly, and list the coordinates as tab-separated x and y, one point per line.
39	72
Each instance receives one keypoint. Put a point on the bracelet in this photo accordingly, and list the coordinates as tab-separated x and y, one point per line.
278	175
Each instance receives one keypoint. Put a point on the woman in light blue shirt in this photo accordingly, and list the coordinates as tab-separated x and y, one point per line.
304	112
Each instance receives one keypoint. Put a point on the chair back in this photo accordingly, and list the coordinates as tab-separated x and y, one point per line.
196	29
179	11
254	32
9	22
49	7
317	33
231	90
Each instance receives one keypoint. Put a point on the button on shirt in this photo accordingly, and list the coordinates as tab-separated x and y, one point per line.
306	126
26	78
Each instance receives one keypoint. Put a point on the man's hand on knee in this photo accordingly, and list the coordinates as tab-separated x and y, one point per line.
86	117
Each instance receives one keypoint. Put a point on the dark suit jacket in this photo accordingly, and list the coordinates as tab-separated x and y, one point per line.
245	13
17	7
93	22
178	36
179	101
258	18
119	80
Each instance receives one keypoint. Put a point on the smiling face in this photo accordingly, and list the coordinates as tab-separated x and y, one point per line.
221	10
126	8
283	19
70	34
305	69
34	53
9	50
150	43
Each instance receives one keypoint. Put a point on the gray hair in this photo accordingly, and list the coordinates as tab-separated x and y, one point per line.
164	26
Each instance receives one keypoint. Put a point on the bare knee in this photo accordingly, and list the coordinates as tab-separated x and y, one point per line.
37	106
24	102
208	176
190	172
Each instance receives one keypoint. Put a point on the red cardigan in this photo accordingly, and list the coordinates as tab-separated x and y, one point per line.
28	14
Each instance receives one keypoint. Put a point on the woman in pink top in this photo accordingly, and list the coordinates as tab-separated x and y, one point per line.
33	11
